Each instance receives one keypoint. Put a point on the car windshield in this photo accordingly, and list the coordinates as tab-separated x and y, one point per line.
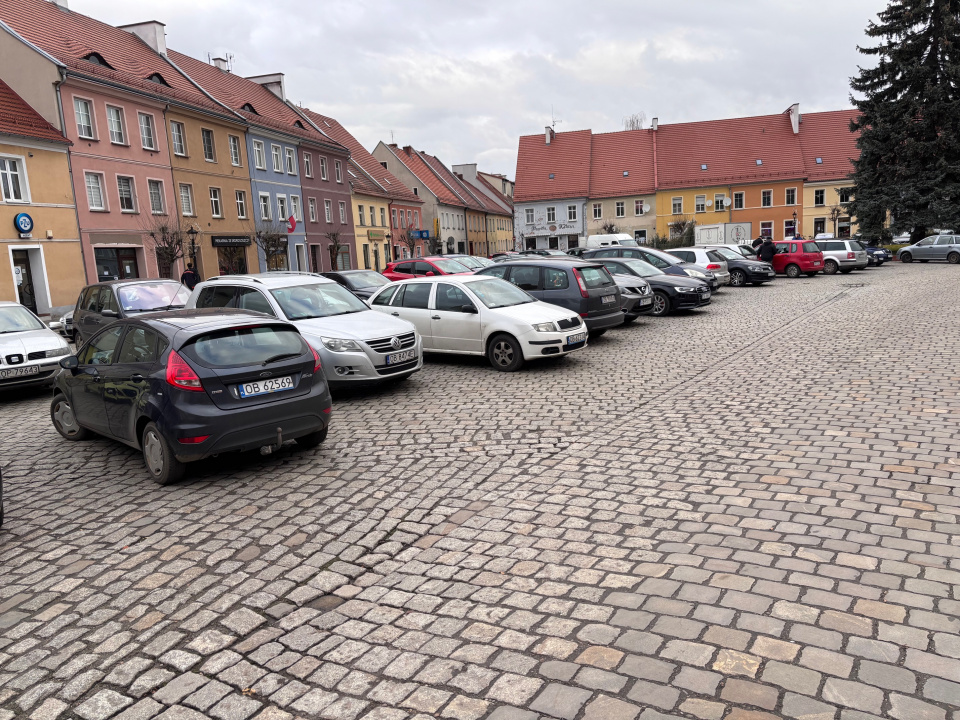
365	279
639	267
450	266
561	253
303	302
14	319
748	252
147	297
471	263
497	293
811	247
728	254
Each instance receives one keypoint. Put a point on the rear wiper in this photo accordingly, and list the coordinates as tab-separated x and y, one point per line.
284	356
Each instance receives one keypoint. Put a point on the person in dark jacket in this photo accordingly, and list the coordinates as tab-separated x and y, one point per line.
190	278
758	242
767	250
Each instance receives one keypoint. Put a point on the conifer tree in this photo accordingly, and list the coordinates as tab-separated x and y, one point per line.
909	120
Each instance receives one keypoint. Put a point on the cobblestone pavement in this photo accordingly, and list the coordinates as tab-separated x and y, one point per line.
724	514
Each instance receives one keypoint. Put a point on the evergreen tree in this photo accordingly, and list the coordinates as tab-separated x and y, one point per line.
909	120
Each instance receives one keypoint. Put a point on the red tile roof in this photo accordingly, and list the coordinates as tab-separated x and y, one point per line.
488	203
501	202
827	135
19	119
567	158
612	155
505	199
440	171
70	37
419	167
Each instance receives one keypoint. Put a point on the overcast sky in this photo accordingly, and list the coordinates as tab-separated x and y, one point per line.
463	79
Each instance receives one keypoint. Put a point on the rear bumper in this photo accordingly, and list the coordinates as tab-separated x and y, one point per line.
255	437
599	322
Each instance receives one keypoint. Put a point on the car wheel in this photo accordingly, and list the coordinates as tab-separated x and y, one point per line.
158	457
312	440
65	421
738	278
792	271
505	353
906	257
953	258
661	303
830	267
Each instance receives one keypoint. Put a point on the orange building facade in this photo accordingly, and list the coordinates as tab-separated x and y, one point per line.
773	209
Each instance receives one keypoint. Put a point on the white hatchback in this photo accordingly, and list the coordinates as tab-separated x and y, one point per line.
482	315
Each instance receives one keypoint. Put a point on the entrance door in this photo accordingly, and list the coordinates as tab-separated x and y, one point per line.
23	275
301	258
315	259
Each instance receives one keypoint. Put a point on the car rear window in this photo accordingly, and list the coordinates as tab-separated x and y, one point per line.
241	347
811	247
854	245
714	256
594	277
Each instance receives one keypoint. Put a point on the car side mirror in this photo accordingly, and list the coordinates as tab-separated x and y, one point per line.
55	325
429	274
71	362
470	310
107	312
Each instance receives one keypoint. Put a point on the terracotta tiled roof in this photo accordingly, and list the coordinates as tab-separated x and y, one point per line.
235	91
70	37
19	119
826	135
445	176
419	167
362	184
504	199
616	153
567	158
389	186
486	202
730	150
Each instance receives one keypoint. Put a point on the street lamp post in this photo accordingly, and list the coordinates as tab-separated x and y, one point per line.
192	234
794	223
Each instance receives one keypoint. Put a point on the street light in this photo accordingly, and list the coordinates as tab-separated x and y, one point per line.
192	234
794	223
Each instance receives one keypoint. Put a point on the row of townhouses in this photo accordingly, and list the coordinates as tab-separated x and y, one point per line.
114	148
775	175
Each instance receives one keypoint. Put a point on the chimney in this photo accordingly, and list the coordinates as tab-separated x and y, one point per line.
654	123
151	32
222	64
272	82
795	118
550	134
467	170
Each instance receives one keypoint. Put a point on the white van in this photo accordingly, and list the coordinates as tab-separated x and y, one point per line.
625	239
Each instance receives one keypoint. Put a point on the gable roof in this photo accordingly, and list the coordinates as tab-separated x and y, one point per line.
826	135
616	153
567	158
19	119
503	199
417	165
489	204
456	186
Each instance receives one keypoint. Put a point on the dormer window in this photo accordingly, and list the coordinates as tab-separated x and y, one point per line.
299	125
819	161
703	167
249	108
97	59
759	162
158	79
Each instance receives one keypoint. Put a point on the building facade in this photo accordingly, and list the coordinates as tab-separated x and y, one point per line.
828	152
703	205
773	209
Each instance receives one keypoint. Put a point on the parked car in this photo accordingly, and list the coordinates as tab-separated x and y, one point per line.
29	350
472	262
576	252
188	384
797	256
424	267
876	256
706	258
744	269
670	292
362	283
106	302
356	345
842	255
506	255
636	296
483	315
583	287
661	260
935	247
544	253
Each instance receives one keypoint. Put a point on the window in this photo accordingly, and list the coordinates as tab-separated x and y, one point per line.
282	207
393	217
819	225
766	198
295	208
528	216
338	169
366	256
450	298
845	194
265	206
235	158
640	236
621	209
718	199
572	213
819	198
738	201
409	219
155	189
677	205
308	165
118	135
148	138
700	203
791	196
343	211
241	204
551	214
360	215
789	228
373	217
638	207
328	210
128	202
186	200
277	159
83	111
312	208
102	348
139	346
179	136
259	156
216	205
416	191
323	168
766	229
383	217
12	185
291	161
416	218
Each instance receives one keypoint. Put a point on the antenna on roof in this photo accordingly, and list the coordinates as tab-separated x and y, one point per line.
392	141
553	119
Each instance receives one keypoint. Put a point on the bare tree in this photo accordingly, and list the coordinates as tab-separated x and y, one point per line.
836	212
678	225
609	228
335	247
408	238
167	236
635	121
271	238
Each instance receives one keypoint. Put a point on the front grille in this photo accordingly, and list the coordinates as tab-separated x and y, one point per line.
568	323
383	345
26	378
38	355
394	369
15	359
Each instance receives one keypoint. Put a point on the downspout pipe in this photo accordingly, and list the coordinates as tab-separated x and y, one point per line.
76	200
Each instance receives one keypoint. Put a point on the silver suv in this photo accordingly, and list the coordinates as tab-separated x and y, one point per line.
841	255
705	257
355	344
935	247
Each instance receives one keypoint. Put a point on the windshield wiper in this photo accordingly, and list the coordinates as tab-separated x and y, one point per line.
283	356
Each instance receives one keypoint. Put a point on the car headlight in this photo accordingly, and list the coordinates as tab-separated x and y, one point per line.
340	345
545	327
685	289
58	352
696	274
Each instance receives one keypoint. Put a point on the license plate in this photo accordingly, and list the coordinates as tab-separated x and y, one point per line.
401	357
578	338
262	387
771	273
646	301
19	372
608	299
816	262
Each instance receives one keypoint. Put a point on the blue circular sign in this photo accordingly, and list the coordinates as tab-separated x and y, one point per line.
23	222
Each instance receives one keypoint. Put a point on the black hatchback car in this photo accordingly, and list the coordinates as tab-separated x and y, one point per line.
188	384
104	303
670	292
362	283
586	288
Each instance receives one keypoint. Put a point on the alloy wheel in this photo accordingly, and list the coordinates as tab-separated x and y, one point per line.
738	278
660	304
502	353
793	271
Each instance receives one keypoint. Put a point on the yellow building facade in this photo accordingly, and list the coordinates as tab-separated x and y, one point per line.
703	205
371	227
825	209
500	232
632	214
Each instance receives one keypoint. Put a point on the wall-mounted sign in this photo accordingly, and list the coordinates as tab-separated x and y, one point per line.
23	223
229	240
375	235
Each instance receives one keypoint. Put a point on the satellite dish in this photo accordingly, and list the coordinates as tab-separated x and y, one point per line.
646	208
727	202
709	203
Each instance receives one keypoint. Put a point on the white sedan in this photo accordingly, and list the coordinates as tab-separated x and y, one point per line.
29	350
482	315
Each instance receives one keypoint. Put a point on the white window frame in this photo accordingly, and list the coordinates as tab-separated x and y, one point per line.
21	173
571	213
193	206
700	203
295	208
276	157
236	156
361	216
416	219
528	216
163	204
308	164
290	161
123	126
312	209
90	115
213	144
770	224
328	211
133	195
182	152
259	155
718	202
152	124
393	218
793	222
638	208
268	206
101	185
739	200
764	196
373	216
241	198
551	213
786	196
383	216
323	167
822	194
343	212
219	202
676	205
338	170
282	208
621	208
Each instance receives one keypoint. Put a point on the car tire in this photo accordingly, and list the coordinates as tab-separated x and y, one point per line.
661	303
953	258
792	271
158	457
923	261
505	353
312	440
830	267
738	278
65	421
906	257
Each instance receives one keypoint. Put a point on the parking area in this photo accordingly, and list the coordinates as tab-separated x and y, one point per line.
746	512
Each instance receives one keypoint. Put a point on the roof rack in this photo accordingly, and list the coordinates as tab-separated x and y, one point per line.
291	272
233	277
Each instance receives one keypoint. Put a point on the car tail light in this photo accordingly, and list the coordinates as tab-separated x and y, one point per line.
192	440
181	375
317	365
581	283
713	266
851	256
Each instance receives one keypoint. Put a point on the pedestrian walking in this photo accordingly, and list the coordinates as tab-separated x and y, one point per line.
766	250
190	278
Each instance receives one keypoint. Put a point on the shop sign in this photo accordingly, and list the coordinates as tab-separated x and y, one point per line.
229	240
375	234
24	225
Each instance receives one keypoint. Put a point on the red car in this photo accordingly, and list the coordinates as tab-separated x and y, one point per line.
426	266
797	256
